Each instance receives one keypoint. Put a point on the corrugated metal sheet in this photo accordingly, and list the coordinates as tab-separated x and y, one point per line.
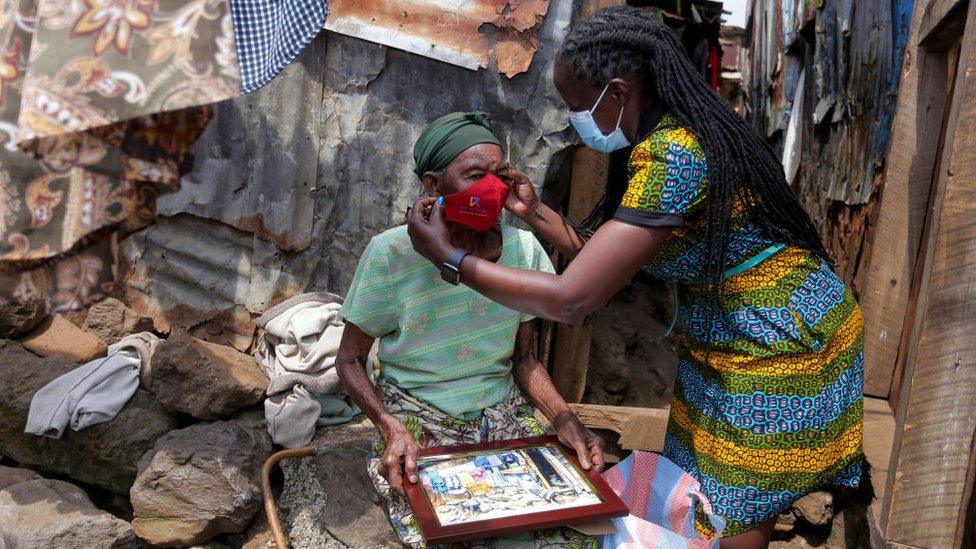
447	30
291	182
851	53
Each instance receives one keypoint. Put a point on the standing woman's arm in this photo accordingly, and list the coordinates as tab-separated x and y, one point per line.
614	254
523	202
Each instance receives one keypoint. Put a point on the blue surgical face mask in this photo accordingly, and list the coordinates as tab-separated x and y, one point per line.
592	135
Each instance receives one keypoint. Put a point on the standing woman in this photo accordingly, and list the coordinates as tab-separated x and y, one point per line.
768	397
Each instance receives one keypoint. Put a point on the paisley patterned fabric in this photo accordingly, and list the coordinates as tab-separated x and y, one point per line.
768	401
93	113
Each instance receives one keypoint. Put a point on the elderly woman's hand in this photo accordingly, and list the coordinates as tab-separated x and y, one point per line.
522	201
588	445
428	230
400	457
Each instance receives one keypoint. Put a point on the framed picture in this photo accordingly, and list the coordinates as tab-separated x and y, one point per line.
473	491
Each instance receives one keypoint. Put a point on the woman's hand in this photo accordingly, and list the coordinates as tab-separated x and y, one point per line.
572	433
522	201
400	457
428	230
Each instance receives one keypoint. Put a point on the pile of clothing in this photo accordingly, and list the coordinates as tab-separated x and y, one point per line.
297	351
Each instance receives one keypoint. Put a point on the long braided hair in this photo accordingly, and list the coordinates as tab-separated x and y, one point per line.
626	41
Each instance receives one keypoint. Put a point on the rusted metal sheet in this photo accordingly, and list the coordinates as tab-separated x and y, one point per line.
851	54
446	30
290	183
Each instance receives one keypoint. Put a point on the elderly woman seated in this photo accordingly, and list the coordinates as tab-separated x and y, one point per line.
454	366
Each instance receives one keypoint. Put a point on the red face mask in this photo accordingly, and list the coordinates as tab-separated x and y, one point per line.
479	206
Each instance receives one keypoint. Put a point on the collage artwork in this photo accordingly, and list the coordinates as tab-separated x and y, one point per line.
491	485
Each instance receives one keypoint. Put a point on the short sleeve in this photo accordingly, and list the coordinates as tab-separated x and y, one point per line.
369	304
537	260
667	179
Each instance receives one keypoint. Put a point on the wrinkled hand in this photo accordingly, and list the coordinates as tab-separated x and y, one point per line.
522	201
400	457
428	230
588	445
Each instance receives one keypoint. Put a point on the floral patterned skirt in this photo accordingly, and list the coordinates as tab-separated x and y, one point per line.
513	418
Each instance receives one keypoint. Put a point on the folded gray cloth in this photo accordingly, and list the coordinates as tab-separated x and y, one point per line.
92	393
144	344
292	417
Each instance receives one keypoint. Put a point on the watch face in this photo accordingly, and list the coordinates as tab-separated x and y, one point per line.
450	275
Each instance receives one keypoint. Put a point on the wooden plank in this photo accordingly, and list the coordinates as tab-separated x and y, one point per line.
907	180
937	16
571	353
879	435
639	428
941	63
966	527
937	412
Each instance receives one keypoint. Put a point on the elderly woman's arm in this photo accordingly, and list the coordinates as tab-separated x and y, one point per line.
536	385
401	448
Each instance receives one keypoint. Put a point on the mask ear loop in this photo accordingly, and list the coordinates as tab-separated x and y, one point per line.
598	99
619	118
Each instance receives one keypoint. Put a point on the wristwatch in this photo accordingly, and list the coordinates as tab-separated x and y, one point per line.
451	268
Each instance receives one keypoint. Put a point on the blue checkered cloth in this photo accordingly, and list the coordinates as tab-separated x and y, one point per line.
271	33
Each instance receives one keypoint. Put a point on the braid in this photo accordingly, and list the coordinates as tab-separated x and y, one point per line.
623	40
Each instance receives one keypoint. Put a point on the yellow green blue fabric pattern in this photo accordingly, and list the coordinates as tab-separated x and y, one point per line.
768	400
445	344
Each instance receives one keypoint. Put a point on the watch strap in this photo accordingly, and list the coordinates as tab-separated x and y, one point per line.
452	265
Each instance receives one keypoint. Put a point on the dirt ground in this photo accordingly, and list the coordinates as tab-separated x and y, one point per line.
631	363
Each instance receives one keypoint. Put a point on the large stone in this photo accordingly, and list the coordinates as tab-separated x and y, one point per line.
817	508
58	337
328	499
17	319
257	536
110	320
200	481
203	379
14	475
53	513
105	455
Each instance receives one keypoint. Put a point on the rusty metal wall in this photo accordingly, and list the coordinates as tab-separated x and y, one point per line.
835	131
290	183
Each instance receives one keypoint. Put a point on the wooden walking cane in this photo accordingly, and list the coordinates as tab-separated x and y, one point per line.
270	508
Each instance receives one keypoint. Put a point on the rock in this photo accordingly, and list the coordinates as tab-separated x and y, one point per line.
105	455
785	522
257	536
328	499
17	319
53	513
200	481
58	337
110	320
203	379
13	475
817	508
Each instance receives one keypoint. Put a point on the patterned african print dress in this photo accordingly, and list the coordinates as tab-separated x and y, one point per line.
776	411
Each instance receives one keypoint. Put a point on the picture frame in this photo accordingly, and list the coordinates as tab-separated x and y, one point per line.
474	491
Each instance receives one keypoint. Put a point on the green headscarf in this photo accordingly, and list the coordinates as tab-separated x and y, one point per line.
449	136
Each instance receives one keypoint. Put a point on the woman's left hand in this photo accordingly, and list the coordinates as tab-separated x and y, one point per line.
588	445
428	230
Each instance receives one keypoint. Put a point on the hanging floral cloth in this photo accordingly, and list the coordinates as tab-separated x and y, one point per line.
101	102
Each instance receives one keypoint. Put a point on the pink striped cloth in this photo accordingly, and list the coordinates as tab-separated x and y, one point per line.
661	498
